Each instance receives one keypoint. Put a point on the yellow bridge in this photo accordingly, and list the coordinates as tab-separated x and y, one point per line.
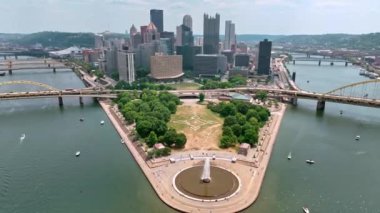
365	93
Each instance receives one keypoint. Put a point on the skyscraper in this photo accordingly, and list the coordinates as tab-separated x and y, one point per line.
211	34
149	33
126	66
170	36
188	21
229	36
157	17
263	64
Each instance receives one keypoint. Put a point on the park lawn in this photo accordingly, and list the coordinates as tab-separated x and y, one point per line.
202	127
186	86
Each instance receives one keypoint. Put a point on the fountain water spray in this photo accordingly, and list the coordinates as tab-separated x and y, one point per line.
206	178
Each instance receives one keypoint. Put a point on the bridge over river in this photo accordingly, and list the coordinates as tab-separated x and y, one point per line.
28	64
365	93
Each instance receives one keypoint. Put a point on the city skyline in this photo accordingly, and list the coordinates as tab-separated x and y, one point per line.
251	17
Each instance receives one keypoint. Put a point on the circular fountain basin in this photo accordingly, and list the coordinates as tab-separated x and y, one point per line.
223	184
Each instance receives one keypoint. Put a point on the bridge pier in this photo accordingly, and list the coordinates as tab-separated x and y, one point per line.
81	100
294	61
294	101
54	70
294	76
16	57
346	64
332	64
5	57
49	65
10	72
321	105
320	62
60	101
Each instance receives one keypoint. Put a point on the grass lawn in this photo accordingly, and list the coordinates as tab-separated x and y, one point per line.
186	86
202	127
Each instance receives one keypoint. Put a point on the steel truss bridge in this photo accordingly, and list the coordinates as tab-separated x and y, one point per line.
366	93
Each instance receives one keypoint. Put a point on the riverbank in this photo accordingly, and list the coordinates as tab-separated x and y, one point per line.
160	172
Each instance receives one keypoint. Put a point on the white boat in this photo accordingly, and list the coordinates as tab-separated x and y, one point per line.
101	122
310	161
305	210
77	153
22	137
122	141
362	71
81	119
357	137
289	156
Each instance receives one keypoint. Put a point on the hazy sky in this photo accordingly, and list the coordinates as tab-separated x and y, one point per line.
250	16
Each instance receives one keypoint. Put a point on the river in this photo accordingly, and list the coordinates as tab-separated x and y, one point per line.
345	177
41	173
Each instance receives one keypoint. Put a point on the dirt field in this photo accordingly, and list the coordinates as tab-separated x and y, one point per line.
202	127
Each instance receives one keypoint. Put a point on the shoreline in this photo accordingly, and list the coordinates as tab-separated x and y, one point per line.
159	172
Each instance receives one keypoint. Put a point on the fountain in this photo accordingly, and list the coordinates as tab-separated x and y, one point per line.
206	178
206	182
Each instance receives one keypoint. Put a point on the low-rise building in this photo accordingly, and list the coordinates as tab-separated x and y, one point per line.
210	65
166	67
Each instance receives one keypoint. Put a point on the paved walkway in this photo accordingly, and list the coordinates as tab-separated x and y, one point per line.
161	175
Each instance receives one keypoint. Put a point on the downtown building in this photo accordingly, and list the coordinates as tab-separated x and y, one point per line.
126	66
211	27
166	67
230	36
242	60
157	18
188	53
264	58
210	65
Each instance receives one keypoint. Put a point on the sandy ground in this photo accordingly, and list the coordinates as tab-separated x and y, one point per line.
202	127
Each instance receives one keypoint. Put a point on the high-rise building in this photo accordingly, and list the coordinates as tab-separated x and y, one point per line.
263	62
187	36
170	44
242	60
210	65
134	37
150	33
157	17
229	36
143	30
188	21
242	47
211	34
164	67
230	56
99	41
126	66
188	53
178	38
146	50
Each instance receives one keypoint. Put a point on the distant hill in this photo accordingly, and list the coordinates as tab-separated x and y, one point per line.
63	40
362	42
56	39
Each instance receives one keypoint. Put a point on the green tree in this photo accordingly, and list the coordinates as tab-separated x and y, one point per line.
251	136
230	120
228	109
236	129
201	97
151	139
227	131
144	127
228	141
262	95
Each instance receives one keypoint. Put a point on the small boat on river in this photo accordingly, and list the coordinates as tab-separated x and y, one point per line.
289	156
2	74
310	161
77	154
305	210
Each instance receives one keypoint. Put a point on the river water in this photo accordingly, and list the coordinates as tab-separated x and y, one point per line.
345	177
41	173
